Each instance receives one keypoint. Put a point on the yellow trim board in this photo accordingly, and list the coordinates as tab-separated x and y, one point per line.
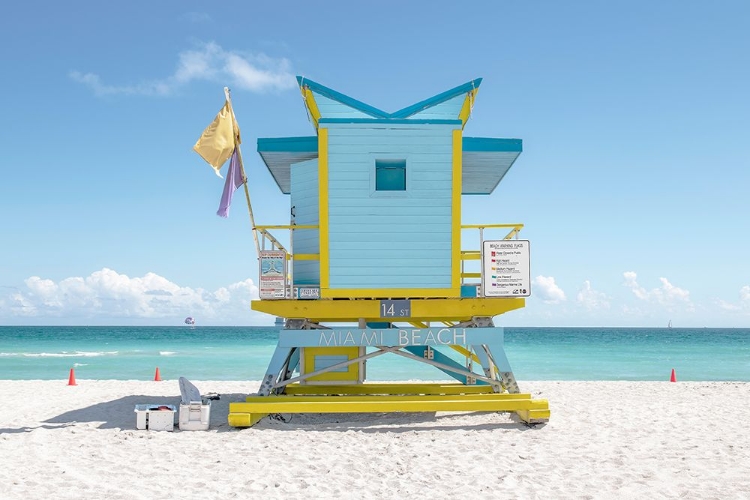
440	309
456	212
465	112
312	106
323	207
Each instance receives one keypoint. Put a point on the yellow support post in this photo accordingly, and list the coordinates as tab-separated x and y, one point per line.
244	419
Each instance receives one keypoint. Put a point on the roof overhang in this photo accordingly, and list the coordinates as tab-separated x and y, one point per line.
280	153
485	160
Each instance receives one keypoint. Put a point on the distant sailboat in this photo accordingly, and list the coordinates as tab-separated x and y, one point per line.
670	324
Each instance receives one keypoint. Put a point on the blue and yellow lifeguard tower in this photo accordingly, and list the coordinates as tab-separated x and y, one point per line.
375	264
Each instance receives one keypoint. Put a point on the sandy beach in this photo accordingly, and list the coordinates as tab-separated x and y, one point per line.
604	440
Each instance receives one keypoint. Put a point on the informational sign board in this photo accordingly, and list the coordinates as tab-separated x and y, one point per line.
506	268
272	274
306	293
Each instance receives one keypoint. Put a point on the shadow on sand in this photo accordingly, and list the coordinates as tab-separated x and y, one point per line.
119	414
389	422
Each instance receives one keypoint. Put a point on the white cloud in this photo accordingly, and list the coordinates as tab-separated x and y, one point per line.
209	62
109	297
667	294
742	305
592	299
547	290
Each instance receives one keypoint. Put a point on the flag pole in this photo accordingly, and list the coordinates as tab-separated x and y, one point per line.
244	178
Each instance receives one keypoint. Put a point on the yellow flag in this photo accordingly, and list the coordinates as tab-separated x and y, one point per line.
218	141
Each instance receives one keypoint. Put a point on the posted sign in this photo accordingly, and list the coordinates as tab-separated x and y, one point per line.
506	268
272	274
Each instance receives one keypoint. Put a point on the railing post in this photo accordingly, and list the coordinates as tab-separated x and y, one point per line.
463	268
291	259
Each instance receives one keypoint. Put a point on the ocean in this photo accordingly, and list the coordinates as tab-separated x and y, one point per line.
243	353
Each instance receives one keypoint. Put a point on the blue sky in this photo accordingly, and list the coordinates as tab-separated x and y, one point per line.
633	184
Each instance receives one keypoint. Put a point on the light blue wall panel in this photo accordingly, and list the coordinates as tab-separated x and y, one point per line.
390	239
333	109
304	199
393	209
447	110
356	245
393	281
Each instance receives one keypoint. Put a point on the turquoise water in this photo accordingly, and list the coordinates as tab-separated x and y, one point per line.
243	353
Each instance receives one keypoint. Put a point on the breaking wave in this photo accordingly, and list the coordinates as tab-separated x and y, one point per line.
64	354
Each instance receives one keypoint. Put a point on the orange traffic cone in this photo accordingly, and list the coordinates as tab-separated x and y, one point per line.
72	377
673	378
157	376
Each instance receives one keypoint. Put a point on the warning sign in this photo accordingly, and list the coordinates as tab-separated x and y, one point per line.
272	274
506	268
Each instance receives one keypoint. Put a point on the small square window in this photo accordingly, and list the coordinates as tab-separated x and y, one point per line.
390	175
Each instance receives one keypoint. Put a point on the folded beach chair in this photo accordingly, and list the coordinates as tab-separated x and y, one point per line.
195	411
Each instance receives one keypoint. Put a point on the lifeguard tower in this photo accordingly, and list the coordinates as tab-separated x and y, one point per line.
375	264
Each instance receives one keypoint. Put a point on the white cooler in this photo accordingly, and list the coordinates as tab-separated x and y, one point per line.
195	416
155	417
195	411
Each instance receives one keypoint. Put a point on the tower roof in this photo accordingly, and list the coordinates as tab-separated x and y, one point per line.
327	105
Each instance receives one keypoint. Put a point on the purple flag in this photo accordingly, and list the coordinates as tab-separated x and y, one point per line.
234	180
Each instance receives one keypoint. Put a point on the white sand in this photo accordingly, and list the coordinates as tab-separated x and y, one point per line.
605	440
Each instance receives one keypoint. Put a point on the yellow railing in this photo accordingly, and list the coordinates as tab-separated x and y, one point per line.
477	254
465	254
276	245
